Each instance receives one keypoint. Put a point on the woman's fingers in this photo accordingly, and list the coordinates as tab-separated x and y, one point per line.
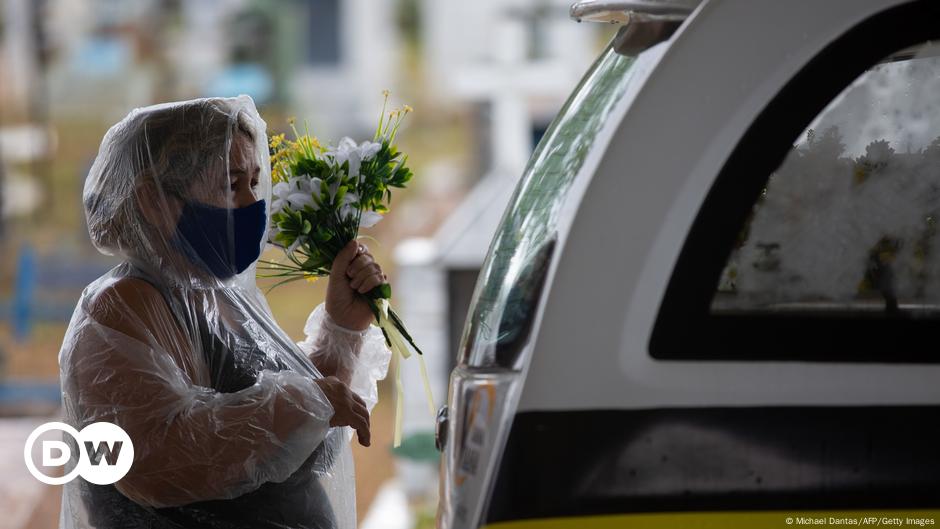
370	283
361	261
357	278
361	409
364	435
358	406
349	408
368	278
364	274
344	259
360	422
357	398
357	419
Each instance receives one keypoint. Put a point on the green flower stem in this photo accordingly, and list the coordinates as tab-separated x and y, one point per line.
384	291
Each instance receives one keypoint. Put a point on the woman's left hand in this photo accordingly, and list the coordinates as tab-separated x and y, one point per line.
354	272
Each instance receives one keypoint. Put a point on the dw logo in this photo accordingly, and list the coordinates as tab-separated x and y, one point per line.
105	453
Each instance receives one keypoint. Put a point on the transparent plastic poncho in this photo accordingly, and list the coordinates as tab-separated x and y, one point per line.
178	346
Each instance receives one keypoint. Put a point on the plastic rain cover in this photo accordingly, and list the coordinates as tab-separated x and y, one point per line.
178	346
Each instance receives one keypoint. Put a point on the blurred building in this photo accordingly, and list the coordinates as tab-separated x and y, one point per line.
71	68
351	56
513	62
326	60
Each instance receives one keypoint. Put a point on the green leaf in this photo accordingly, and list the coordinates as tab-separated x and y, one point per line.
310	166
314	262
323	235
383	291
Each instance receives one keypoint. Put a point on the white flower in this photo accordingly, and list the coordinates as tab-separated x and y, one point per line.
368	149
369	219
280	191
343	149
297	192
348	151
299	183
299	200
347	210
355	162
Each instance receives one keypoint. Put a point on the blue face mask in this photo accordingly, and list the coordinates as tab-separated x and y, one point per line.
203	234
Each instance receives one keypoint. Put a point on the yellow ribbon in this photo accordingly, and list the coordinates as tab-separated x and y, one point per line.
400	347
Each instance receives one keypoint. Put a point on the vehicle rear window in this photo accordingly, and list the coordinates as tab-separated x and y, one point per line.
818	240
847	224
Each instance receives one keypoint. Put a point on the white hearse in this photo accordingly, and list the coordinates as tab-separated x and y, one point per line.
714	298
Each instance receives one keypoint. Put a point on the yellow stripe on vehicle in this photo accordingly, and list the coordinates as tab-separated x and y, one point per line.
736	520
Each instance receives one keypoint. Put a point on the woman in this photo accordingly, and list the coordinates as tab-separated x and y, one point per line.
233	424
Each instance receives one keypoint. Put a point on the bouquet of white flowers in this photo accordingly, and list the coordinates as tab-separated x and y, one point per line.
323	195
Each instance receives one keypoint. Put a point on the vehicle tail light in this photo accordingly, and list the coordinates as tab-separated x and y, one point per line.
478	416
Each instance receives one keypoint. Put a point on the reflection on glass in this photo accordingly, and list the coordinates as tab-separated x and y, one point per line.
847	223
499	308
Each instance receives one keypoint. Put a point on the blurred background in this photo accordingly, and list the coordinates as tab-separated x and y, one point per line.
485	78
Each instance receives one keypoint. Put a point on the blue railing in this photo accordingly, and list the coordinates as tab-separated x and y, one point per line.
35	282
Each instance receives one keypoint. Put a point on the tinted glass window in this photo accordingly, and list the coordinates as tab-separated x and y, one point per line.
847	224
817	241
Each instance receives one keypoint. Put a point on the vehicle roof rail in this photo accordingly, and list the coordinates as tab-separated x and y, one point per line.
645	22
620	12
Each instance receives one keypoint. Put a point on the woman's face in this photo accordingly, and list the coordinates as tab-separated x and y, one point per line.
235	186
222	225
241	183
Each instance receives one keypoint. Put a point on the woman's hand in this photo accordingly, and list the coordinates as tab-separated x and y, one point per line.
354	272
348	408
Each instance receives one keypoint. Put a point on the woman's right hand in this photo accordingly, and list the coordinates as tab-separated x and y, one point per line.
348	408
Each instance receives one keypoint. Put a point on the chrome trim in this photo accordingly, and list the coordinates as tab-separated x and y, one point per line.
639	35
619	12
440	429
